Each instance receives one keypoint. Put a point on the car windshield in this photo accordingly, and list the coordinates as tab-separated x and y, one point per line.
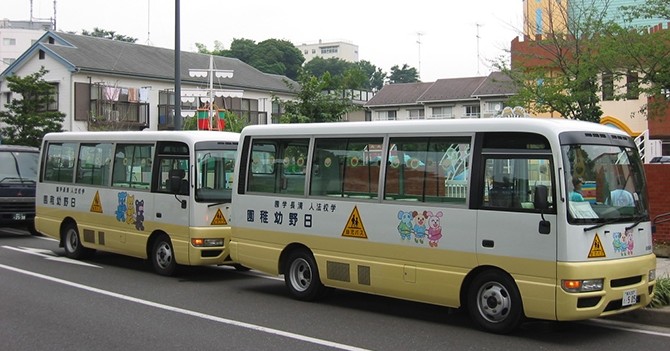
214	177
605	183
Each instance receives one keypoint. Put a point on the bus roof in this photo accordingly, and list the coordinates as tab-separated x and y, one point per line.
189	136
544	126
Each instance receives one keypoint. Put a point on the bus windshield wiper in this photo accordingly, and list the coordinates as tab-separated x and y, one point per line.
609	221
638	220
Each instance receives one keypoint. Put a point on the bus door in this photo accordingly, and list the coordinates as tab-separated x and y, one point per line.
173	189
516	221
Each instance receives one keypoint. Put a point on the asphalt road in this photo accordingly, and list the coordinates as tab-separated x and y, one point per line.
112	302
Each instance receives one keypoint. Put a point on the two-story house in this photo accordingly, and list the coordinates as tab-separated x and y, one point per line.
473	97
107	84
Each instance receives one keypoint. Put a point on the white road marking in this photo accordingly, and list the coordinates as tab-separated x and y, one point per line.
188	312
49	255
629	327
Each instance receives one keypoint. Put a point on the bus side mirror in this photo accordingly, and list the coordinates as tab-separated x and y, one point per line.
541	202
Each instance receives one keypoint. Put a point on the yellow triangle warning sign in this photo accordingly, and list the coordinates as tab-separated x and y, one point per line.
96	206
354	227
597	249
219	219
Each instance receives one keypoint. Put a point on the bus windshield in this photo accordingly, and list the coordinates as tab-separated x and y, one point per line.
605	184
214	175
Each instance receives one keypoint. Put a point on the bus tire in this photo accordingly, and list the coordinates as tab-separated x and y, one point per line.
72	243
162	256
494	302
301	276
240	268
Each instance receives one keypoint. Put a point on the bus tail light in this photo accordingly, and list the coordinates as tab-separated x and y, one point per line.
211	242
584	285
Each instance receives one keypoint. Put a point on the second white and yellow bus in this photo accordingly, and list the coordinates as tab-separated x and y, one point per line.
160	195
480	214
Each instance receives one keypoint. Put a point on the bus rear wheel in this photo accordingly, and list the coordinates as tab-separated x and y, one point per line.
162	256
301	276
72	243
494	302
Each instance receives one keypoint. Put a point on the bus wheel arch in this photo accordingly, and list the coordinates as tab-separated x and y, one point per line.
70	240
301	274
492	300
160	252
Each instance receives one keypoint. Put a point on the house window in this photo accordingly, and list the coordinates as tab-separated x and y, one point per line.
416	114
391	115
9	41
632	86
41	55
494	107
608	86
443	112
472	111
52	103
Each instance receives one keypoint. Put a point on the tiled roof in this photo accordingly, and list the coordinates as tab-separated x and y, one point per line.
442	90
496	84
92	54
398	94
452	89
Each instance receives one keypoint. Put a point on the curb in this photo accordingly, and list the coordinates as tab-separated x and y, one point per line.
648	316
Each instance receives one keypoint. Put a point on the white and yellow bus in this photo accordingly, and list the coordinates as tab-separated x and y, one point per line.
159	195
461	213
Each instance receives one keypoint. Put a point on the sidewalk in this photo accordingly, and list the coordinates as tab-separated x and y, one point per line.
650	316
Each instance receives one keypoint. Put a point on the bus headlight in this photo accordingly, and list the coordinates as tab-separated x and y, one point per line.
652	275
584	285
211	242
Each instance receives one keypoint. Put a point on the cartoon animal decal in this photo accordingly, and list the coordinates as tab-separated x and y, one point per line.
419	228
624	243
121	208
434	228
130	212
405	225
139	217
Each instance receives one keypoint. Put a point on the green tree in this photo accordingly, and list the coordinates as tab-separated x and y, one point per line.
269	56
312	104
404	74
27	119
376	77
560	73
335	67
642	53
108	34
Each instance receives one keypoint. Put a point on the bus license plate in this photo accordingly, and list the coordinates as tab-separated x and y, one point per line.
19	216
629	297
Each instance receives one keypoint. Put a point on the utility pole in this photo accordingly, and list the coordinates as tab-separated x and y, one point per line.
418	41
478	59
177	69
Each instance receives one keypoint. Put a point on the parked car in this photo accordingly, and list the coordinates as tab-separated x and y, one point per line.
18	177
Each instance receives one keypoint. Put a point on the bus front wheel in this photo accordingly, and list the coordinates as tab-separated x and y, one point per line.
494	302
162	256
301	276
